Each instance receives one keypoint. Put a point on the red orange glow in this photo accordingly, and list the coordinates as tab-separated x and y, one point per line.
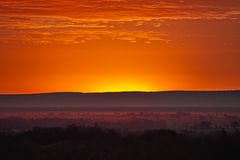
119	45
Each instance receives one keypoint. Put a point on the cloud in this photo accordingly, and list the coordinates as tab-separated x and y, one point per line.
61	20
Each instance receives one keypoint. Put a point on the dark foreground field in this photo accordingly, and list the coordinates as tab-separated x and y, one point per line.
94	143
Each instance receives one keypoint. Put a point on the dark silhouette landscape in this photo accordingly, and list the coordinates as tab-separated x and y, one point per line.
173	125
76	142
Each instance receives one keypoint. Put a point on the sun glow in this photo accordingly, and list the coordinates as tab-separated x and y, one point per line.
118	45
123	86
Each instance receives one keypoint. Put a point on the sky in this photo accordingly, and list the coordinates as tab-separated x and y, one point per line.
119	45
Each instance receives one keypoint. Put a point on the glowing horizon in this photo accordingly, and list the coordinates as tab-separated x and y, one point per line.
119	45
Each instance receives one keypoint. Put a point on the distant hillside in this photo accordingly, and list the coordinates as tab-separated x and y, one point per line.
123	99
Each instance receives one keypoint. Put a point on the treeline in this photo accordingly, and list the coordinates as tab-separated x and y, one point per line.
95	143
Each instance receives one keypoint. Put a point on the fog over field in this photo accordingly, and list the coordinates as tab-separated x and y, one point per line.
202	111
125	121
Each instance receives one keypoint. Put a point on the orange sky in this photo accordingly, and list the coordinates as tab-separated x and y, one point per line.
119	45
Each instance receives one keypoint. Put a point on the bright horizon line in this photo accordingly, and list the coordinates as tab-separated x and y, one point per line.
55	92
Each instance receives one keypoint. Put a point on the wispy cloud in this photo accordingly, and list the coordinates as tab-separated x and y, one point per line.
77	21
